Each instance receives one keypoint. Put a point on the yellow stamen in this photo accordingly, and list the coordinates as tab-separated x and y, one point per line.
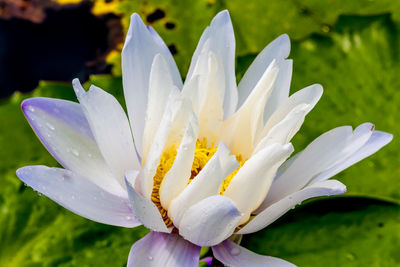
202	154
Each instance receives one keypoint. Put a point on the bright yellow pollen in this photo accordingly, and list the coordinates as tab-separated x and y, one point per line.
202	154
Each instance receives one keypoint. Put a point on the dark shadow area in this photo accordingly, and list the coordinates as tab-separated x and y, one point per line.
70	43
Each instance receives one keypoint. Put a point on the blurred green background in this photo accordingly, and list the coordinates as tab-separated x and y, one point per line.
350	47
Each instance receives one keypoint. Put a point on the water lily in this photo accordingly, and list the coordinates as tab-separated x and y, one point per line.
210	158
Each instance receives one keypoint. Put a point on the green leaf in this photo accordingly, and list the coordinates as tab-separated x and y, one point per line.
334	232
256	23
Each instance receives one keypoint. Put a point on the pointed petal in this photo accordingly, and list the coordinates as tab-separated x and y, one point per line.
145	210
138	53
110	128
375	142
207	183
205	90
281	89
210	221
240	130
178	176
79	195
63	129
250	185
323	153
173	124
220	39
283	131
309	95
160	87
278	49
160	249
276	210
232	254
166	54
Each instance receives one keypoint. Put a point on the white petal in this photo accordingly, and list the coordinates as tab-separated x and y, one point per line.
173	124
160	87
276	210
240	130
309	95
138	53
281	89
166	54
221	42
251	183
206	94
178	176
160	249
207	183
210	221
283	131
79	195
323	153
145	210
110	128
278	49
375	142
232	254
63	129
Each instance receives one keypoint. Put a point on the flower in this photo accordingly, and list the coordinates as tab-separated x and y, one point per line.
210	158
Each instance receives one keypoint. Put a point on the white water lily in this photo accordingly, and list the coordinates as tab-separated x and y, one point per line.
210	158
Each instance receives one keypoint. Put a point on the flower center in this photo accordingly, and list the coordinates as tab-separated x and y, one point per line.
202	154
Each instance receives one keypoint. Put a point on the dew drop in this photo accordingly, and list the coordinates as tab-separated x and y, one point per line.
150	258
72	197
128	217
32	109
235	251
51	127
75	152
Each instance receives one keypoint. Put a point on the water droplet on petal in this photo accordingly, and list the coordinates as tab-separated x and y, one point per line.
72	197
150	258
128	217
235	251
75	152
32	109
51	127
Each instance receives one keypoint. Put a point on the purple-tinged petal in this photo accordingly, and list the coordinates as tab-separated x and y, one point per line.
276	210
138	54
161	249
63	129
210	221
375	142
322	154
145	210
111	129
79	195
232	254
